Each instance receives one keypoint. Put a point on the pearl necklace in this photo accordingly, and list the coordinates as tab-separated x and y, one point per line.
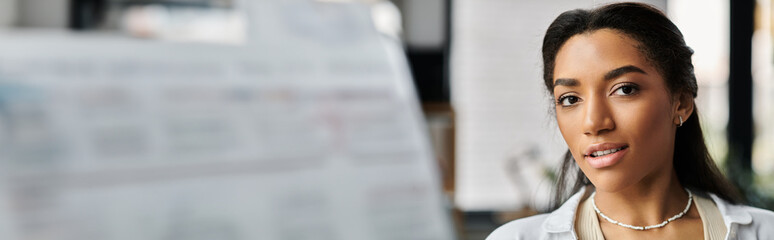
662	224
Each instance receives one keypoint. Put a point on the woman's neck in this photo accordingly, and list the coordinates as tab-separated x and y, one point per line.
651	201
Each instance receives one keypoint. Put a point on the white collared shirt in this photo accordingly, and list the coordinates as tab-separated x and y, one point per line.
742	222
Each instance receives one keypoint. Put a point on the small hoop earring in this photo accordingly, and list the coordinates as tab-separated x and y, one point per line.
681	121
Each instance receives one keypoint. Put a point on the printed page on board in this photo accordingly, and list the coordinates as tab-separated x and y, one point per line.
309	130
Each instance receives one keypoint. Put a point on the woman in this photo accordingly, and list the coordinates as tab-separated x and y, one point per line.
623	84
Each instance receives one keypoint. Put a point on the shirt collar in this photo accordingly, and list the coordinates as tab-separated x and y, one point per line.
563	218
731	213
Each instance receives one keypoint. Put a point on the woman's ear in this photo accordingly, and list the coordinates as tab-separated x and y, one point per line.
683	108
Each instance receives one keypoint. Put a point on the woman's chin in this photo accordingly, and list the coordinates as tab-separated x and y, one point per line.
609	183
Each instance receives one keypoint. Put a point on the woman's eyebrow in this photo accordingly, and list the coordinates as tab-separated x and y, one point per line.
615	73
570	82
612	74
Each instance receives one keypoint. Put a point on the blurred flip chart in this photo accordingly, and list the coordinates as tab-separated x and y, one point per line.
309	130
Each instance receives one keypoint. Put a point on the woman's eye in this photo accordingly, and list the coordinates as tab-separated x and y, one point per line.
626	90
567	101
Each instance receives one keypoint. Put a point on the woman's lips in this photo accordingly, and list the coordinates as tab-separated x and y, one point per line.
606	160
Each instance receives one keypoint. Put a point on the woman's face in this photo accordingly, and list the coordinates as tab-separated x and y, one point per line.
614	110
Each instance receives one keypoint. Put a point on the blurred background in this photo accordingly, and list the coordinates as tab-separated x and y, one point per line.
320	119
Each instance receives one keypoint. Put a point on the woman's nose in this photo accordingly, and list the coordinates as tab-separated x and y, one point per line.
598	117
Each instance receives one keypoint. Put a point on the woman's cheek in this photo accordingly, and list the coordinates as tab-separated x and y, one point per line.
572	134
